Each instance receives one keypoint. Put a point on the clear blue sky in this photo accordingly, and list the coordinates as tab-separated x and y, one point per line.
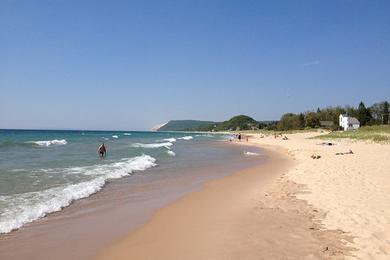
133	64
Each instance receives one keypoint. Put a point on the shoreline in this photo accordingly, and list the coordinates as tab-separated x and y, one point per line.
251	214
92	223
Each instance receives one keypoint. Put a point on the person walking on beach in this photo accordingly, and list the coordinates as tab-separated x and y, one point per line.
239	137
102	150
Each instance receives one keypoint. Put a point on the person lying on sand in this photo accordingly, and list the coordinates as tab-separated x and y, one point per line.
285	138
326	143
349	152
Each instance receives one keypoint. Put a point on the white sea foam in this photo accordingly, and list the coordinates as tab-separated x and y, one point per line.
156	145
186	138
171	140
27	207
171	153
127	134
205	135
106	138
51	142
251	154
115	136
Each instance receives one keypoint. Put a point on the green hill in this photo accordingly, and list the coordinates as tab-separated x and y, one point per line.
236	123
240	122
186	125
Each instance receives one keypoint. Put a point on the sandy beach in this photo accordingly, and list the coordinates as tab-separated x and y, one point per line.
351	189
291	207
252	214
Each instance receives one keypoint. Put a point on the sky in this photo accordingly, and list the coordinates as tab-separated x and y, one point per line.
129	65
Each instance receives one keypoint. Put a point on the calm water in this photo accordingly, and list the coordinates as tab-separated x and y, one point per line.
44	171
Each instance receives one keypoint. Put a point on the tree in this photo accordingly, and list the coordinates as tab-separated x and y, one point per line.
385	113
312	120
377	112
351	111
363	114
301	118
288	121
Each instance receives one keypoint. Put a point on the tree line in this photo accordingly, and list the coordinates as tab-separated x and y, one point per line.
377	114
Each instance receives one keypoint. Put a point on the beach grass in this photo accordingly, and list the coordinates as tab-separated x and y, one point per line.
377	133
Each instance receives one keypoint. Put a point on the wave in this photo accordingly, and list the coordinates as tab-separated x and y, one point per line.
186	138
251	154
33	144
50	142
27	207
171	153
156	145
127	134
115	136
170	140
205	135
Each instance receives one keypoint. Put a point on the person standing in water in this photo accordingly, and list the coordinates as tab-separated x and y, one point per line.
102	151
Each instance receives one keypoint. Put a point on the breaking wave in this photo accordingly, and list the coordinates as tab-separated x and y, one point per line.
251	154
186	138
171	153
27	207
49	143
155	145
171	140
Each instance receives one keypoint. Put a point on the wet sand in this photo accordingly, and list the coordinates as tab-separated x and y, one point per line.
252	214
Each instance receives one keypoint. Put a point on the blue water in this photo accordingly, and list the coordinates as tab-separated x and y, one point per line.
43	171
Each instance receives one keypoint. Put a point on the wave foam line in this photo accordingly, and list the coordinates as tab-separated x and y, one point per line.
186	138
50	142
171	153
27	207
170	140
156	145
251	154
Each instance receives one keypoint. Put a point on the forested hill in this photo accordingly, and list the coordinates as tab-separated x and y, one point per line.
184	125
240	122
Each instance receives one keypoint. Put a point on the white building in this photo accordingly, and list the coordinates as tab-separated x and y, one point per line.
348	123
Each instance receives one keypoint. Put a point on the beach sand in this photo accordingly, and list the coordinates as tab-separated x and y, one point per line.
253	214
353	190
